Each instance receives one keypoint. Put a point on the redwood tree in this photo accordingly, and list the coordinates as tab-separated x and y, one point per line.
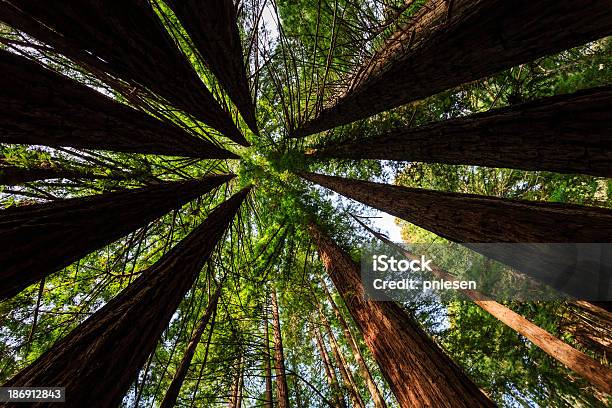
98	361
282	392
41	239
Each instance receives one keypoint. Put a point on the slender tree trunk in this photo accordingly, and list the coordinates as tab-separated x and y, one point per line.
43	238
41	107
468	218
15	175
213	27
99	360
330	374
269	400
172	393
377	398
596	373
91	32
478	37
345	373
282	392
419	373
566	133
236	397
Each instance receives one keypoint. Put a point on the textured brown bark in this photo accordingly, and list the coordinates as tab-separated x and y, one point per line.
417	370
445	48
213	27
40	239
594	372
172	393
236	397
566	133
330	374
15	175
98	361
345	373
95	32
282	392
39	106
269	400
468	218
377	398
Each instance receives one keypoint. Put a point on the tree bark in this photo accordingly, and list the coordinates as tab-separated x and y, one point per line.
96	34
377	398
268	399
566	134
282	392
417	370
98	361
593	371
468	218
330	374
442	48
172	393
236	398
15	175
41	239
213	27
41	107
590	326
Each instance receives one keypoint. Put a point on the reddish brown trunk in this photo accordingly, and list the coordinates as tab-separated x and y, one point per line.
14	175
94	33
417	370
41	107
330	374
213	27
596	373
269	400
444	48
98	361
177	382
566	134
282	392
236	397
43	238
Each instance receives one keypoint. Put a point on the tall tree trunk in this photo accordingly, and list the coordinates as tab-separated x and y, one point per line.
213	27
15	175
330	374
468	218
566	133
590	326
282	392
419	373
41	107
43	238
596	373
236	397
99	360
91	32
268	399
377	398
345	373
172	393
444	47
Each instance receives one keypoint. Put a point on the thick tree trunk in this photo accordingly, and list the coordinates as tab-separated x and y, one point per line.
417	370
99	360
172	393
596	373
15	175
40	239
213	27
345	373
445	46
94	33
330	374
565	133
41	107
468	218
268	399
282	392
377	398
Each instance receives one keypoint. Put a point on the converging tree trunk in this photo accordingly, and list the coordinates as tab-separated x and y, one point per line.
566	133
449	43
236	397
99	360
41	107
41	239
172	393
15	175
213	27
282	392
330	374
593	371
96	34
468	218
268	399
419	373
